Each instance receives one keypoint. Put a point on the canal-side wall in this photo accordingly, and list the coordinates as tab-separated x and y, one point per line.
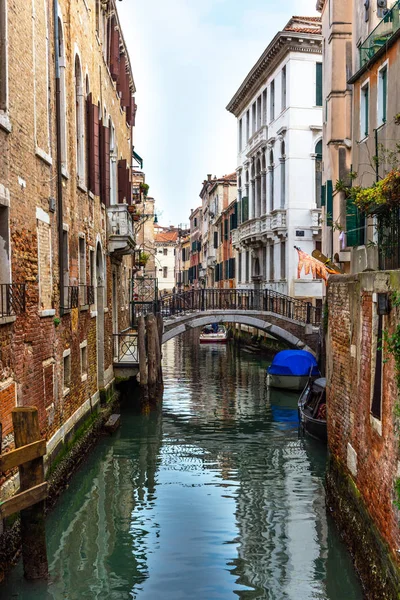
256	340
364	449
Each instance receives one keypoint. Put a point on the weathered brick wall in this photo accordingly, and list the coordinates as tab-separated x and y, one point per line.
32	347
367	449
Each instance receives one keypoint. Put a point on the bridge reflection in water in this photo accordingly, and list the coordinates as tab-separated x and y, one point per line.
213	497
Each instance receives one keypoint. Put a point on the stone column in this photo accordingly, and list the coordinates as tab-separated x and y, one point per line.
263	193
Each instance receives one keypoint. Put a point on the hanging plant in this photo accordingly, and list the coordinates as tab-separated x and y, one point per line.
144	187
382	197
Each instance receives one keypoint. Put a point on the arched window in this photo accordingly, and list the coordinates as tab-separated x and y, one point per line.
63	109
87	125
318	173
80	123
271	181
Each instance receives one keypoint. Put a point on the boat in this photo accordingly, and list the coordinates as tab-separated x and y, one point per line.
312	409
291	370
213	334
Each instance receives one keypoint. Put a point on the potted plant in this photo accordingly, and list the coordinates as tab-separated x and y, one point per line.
143	258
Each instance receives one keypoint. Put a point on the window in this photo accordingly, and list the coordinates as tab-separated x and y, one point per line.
377	358
283	260
283	175
259	110
272	102
247	125
265	118
364	112
63	107
239	266
92	267
318	174
165	272
66	371
215	239
80	123
271	263
254	117
284	88
84	360
240	134
247	266
382	96
195	222
65	268
264	262
97	3
318	84
5	263
44	261
82	271
165	251
3	57
271	181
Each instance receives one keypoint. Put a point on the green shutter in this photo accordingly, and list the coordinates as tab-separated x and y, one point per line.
318	94
329	203
245	209
355	224
323	195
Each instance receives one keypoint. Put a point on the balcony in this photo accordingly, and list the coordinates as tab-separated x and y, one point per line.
316	221
380	36
278	220
252	231
121	239
12	299
257	140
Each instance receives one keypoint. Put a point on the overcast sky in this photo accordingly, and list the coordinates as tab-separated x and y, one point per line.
189	57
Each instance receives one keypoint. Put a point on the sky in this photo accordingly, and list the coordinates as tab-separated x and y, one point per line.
188	58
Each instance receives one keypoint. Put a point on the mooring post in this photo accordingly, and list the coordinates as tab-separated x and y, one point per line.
152	343
31	474
160	330
142	354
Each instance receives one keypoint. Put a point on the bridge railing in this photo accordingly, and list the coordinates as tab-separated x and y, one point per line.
236	299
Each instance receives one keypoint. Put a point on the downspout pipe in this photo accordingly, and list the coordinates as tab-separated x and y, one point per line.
60	212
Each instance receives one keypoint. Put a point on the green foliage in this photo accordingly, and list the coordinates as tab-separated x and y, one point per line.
145	189
56	321
326	317
143	258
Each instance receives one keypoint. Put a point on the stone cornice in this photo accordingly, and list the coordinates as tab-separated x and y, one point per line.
283	43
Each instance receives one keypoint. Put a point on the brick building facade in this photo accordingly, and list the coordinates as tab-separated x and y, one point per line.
66	117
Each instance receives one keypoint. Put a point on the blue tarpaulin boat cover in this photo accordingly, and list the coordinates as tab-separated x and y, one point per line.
294	362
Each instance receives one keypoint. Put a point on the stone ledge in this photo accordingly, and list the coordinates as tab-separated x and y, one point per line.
7	320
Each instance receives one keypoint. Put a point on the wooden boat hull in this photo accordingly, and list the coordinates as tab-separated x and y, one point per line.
288	382
213	339
315	428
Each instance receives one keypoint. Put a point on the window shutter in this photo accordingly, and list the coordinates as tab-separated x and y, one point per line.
105	168
134	113
93	149
128	186
226	229
323	195
318	77
130	110
121	180
329	203
114	52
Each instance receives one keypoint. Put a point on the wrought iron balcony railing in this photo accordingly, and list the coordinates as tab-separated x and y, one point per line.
86	295
71	297
12	299
380	36
126	347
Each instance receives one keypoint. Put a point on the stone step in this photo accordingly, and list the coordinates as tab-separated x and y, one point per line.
113	423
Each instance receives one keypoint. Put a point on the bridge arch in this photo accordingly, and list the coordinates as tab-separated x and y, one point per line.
265	322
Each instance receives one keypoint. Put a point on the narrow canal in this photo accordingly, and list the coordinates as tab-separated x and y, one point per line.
214	496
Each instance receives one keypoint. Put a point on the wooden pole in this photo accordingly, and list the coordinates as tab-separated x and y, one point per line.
160	328
31	474
152	343
142	353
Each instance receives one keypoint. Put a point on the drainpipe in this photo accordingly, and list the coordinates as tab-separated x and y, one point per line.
59	174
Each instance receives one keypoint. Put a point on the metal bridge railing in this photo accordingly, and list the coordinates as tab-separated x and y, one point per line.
236	299
126	347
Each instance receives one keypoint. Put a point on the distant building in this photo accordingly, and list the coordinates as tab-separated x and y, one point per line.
279	118
165	245
182	260
196	220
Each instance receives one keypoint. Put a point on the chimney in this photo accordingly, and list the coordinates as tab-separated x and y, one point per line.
209	177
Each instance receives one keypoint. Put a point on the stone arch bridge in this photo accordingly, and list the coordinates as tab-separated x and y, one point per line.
288	319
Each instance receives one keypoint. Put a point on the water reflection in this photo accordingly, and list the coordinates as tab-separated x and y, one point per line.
213	497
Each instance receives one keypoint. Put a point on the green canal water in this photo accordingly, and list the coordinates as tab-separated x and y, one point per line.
214	496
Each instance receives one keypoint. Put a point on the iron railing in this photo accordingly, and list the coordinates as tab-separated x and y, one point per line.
380	36
389	241
126	347
86	295
71	297
12	299
237	299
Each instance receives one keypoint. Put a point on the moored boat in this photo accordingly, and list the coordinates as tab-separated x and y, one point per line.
291	370
214	334
312	409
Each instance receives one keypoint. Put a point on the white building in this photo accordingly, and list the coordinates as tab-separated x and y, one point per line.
165	243
279	115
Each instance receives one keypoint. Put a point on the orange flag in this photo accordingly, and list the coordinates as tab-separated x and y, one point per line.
312	265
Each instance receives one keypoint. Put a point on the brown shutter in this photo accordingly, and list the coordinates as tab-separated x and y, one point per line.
114	51
129	112
104	164
134	113
121	180
121	75
93	147
123	82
